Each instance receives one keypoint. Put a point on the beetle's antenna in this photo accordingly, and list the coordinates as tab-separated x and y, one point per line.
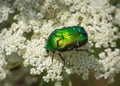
62	59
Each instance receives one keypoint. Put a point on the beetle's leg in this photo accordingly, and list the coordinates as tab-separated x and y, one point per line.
47	51
53	56
83	50
62	59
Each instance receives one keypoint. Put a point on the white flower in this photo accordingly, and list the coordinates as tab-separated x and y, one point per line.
11	41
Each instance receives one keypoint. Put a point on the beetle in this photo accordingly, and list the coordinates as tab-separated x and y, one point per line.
66	39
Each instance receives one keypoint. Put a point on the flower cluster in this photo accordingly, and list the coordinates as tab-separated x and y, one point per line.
117	16
35	20
110	61
2	67
5	10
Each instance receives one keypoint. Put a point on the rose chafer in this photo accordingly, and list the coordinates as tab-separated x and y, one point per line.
66	39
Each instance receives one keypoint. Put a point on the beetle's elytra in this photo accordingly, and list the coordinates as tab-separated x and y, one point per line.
66	39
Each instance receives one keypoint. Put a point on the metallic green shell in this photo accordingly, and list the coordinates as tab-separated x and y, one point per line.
66	39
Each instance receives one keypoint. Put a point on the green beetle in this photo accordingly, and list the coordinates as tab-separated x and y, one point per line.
66	39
